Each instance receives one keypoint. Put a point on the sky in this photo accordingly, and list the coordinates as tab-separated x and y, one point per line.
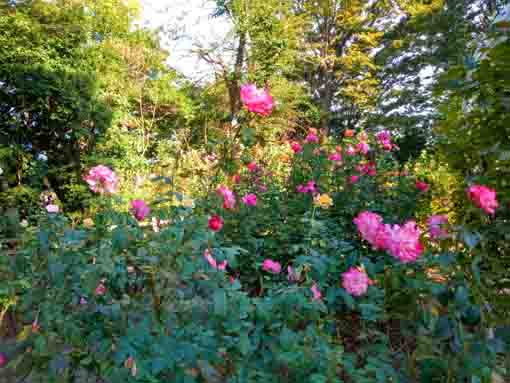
191	23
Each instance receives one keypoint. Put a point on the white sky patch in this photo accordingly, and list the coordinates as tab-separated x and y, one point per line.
186	24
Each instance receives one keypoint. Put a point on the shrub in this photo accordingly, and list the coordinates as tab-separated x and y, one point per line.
285	289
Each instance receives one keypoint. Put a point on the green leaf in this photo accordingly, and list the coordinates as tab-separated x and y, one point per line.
120	239
348	299
220	303
462	296
316	378
475	268
244	343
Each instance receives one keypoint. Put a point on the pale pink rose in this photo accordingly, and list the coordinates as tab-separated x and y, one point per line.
52	209
369	225
483	197
403	242
422	186
101	179
250	199
336	157
258	101
296	147
139	209
350	151
317	295
271	266
355	281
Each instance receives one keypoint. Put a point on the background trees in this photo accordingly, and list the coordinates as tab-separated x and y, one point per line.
75	75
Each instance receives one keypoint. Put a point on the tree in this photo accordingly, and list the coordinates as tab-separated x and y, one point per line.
427	39
82	83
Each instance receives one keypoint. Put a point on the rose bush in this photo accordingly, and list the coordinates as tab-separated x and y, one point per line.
368	294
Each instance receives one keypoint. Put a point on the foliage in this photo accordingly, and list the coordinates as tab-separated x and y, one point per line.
473	138
125	301
80	83
234	249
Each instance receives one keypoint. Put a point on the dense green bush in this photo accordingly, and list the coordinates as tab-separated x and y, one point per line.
120	300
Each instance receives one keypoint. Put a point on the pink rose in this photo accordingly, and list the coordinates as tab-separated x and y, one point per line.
250	199
363	147
336	157
102	179
370	226
296	147
350	151
271	266
210	259
383	136
317	295
215	223
312	136
236	179
257	101
139	209
310	187
355	281
422	186
354	179
229	199
252	167
483	197
100	289
368	169
435	223
403	242
384	139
